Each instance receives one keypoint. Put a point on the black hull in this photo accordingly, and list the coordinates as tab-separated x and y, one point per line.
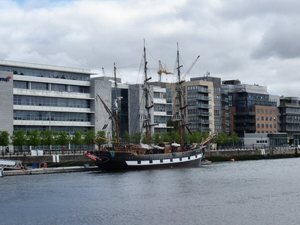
114	161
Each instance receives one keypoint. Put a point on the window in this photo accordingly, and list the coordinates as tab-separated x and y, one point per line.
39	86
21	84
58	87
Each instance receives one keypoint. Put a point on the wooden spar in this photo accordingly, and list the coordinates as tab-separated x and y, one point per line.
181	106
148	105
116	110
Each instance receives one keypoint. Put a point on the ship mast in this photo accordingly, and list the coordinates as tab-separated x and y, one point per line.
148	104
179	90
116	108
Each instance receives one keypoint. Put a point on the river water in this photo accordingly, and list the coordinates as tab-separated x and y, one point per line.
237	193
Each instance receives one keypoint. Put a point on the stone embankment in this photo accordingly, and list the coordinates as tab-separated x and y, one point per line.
251	154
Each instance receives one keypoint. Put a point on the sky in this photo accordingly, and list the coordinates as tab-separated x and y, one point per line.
254	41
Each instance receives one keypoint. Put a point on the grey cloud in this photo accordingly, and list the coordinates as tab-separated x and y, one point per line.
236	9
281	40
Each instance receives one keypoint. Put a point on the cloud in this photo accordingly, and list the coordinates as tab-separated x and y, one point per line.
254	41
280	40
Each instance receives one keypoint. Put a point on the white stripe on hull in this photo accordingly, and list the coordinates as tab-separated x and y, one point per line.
164	161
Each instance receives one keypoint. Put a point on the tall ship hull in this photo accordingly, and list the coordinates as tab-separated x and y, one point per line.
121	160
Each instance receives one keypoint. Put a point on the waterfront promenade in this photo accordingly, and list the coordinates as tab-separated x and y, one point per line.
76	158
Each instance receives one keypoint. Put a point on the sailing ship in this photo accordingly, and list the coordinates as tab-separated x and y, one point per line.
145	156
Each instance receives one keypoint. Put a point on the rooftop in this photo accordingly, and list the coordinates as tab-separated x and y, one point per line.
44	67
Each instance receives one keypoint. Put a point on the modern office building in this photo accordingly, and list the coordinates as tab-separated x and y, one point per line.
289	116
160	112
39	97
199	104
216	99
249	108
116	98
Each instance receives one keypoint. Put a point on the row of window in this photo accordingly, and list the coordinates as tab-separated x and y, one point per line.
159	108
51	116
267	118
266	111
261	141
198	88
266	125
161	119
293	111
47	101
45	73
161	95
50	87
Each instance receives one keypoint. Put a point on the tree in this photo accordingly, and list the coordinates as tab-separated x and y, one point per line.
127	137
33	138
89	138
4	138
62	139
234	139
77	139
19	138
136	138
222	139
47	137
100	138
157	138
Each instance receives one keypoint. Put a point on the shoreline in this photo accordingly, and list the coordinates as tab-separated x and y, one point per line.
50	170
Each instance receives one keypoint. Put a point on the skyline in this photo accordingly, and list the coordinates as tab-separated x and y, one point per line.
255	42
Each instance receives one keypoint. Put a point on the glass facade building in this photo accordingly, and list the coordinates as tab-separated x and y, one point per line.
49	97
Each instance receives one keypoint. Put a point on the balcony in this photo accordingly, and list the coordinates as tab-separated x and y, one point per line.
55	94
52	109
51	80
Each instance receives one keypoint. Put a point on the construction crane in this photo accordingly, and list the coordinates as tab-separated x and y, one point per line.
162	70
191	67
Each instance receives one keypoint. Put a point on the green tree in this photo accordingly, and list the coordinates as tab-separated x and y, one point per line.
47	137
100	138
126	137
62	139
136	138
234	139
19	139
77	139
166	137
89	138
4	138
157	138
33	138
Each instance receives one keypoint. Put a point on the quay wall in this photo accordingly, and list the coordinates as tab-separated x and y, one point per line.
64	160
251	154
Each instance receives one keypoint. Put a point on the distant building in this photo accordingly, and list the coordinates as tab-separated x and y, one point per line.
216	99
159	113
265	140
248	109
289	110
119	95
199	105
